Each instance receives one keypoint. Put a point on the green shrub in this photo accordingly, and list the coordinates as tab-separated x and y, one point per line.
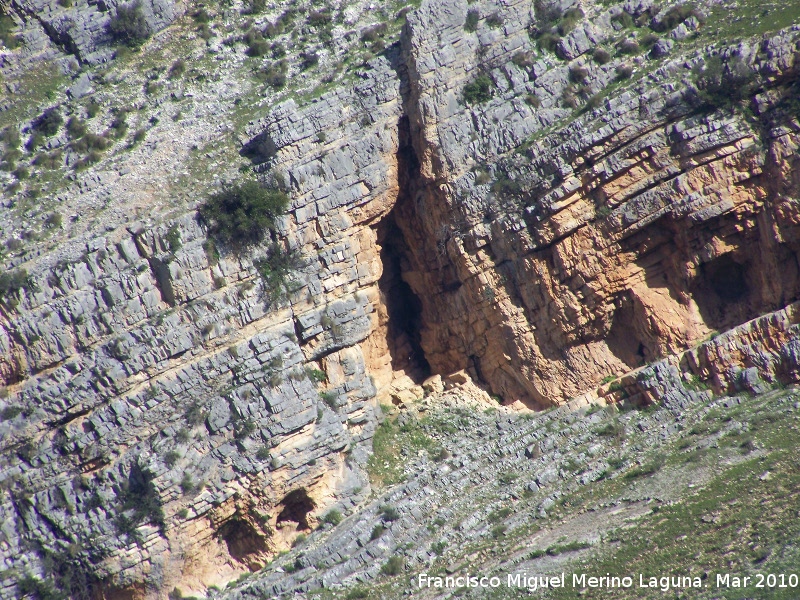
139	502
471	24
629	46
93	109
719	87
89	141
256	44
188	484
177	69
479	90
10	412
48	123
548	40
308	59
76	128
357	593
675	16
499	531
274	75
334	517
578	74
128	25
494	20
523	60
316	375
10	136
624	72
275	268
601	56
393	566
533	100
377	531
317	18
389	513
119	125
243	213
11	282
373	33
171	458
623	19
570	20
53	220
7	25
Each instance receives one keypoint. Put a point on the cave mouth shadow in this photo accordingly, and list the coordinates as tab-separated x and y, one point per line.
243	541
722	293
297	505
403	306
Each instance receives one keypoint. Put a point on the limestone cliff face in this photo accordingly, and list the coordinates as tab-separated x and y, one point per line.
163	420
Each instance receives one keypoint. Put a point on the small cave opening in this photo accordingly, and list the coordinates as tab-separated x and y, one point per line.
296	507
245	544
722	293
623	340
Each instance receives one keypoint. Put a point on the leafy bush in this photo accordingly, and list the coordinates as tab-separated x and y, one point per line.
275	269
389	513
243	213
471	24
7	25
548	40
570	20
11	282
601	56
317	18
128	26
523	60
139	503
494	20
377	532
624	72
48	123
256	44
334	517
177	69
393	566
629	46
675	16
308	60
720	87
578	74
479	90
623	19
274	74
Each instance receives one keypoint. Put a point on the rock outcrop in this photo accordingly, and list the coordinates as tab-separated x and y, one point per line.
82	29
168	421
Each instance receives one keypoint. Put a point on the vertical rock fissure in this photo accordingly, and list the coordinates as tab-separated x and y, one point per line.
403	305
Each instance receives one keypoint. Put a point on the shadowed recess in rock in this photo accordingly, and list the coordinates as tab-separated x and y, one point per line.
295	508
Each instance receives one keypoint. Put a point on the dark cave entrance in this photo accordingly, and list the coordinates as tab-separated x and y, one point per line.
623	340
722	293
296	507
244	542
403	306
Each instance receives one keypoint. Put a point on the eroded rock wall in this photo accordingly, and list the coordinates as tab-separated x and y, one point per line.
548	261
169	425
167	422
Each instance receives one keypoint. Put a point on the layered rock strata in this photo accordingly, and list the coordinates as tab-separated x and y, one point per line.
167	422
